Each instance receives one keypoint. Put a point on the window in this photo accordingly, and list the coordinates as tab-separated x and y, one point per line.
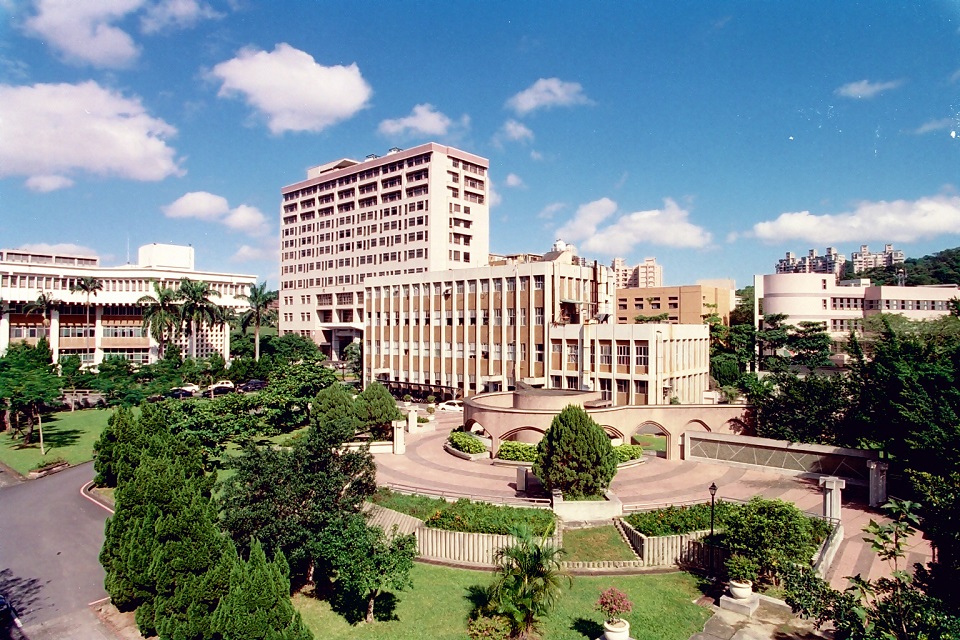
497	349
511	284
573	382
573	354
538	353
623	355
511	352
605	354
538	283
497	317
523	352
641	360
523	317
511	317
497	285
556	347
606	389
539	316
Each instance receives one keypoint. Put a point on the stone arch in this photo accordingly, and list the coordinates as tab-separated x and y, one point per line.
472	426
614	433
692	425
655	428
526	433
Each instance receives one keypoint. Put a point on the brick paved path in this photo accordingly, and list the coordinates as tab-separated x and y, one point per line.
656	482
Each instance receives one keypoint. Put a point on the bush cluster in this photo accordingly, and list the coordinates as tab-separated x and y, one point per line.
627	452
465	442
520	451
676	520
464	515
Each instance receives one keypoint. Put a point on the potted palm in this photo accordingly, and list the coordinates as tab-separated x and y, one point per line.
742	573
407	399
614	603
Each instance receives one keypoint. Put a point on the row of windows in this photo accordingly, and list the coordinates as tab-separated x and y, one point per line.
397	318
461	287
438	350
352	178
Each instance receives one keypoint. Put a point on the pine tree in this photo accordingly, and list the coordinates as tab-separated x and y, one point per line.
377	409
575	455
119	425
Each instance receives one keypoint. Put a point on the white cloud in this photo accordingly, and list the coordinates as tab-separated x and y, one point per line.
895	221
548	92
51	130
934	125
513	180
176	14
536	155
63	248
516	131
45	184
82	32
247	253
865	88
291	90
493	196
210	207
956	76
548	211
669	226
423	120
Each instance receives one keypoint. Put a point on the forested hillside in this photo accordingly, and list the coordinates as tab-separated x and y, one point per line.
942	267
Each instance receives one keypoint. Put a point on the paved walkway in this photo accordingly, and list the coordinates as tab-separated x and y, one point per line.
656	482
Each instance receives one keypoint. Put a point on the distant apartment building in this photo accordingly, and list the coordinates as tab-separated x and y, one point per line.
646	274
832	262
350	223
864	259
687	304
843	305
543	323
116	319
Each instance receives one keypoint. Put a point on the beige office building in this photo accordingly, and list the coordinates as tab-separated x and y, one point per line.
116	319
646	274
350	223
543	323
684	304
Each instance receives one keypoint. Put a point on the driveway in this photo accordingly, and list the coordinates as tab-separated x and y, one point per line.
50	538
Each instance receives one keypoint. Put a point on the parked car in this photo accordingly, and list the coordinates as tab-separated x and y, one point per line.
179	393
219	390
222	383
252	385
451	405
192	388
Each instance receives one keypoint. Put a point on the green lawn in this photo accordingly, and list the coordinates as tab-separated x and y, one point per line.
438	605
69	435
594	544
651	442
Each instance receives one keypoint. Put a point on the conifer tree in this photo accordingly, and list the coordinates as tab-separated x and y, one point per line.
575	455
377	409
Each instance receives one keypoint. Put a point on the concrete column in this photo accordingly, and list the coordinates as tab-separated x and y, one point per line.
521	478
4	331
832	487
54	334
399	444
878	482
98	335
412	421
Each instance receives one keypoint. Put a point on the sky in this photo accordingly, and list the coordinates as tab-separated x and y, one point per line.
713	136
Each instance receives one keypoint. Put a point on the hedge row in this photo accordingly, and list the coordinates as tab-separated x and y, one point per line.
627	452
520	451
465	442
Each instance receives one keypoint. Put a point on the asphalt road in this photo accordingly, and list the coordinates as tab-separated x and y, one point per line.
50	537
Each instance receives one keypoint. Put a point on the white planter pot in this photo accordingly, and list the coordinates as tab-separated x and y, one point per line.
740	590
619	629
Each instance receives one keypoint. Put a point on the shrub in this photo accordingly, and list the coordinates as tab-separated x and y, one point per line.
465	442
422	420
431	409
575	455
613	603
627	452
49	463
772	532
407	397
741	568
488	628
520	451
431	399
676	520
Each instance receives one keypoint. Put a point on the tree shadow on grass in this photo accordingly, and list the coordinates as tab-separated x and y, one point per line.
588	628
55	439
352	606
479	597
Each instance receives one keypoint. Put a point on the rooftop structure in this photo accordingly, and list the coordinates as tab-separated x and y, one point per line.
832	262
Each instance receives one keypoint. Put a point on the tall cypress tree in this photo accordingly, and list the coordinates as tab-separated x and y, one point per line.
575	455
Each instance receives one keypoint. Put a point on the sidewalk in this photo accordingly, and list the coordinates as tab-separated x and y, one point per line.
773	620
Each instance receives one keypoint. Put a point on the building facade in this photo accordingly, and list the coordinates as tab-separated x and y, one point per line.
864	259
541	324
843	305
686	304
832	262
352	222
116	319
646	274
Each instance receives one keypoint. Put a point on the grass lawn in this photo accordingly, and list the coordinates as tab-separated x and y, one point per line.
69	435
438	605
594	544
651	442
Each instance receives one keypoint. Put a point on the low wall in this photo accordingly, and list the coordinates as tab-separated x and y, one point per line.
665	551
588	510
792	458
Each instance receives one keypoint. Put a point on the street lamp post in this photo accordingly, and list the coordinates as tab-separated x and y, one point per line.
713	494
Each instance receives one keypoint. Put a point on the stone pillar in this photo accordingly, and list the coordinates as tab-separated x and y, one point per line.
54	335
832	487
399	444
521	478
878	482
412	421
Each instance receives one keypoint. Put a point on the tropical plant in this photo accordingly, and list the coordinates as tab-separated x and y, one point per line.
197	309
87	285
45	305
528	581
259	314
613	603
161	315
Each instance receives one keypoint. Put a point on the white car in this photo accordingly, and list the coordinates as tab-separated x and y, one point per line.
451	405
221	383
192	388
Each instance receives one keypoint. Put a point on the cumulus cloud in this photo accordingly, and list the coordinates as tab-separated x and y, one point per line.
45	184
934	125
550	210
516	131
956	76
513	180
176	14
669	226
546	93
895	221
52	130
291	90
493	196
423	120
865	88
63	248
84	33
209	207
248	253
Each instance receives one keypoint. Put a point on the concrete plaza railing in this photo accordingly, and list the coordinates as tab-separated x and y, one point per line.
666	551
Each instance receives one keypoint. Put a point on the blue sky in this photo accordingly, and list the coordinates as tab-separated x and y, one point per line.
712	136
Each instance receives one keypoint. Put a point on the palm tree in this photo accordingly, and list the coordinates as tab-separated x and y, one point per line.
529	581
161	315
197	309
45	304
259	313
87	285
